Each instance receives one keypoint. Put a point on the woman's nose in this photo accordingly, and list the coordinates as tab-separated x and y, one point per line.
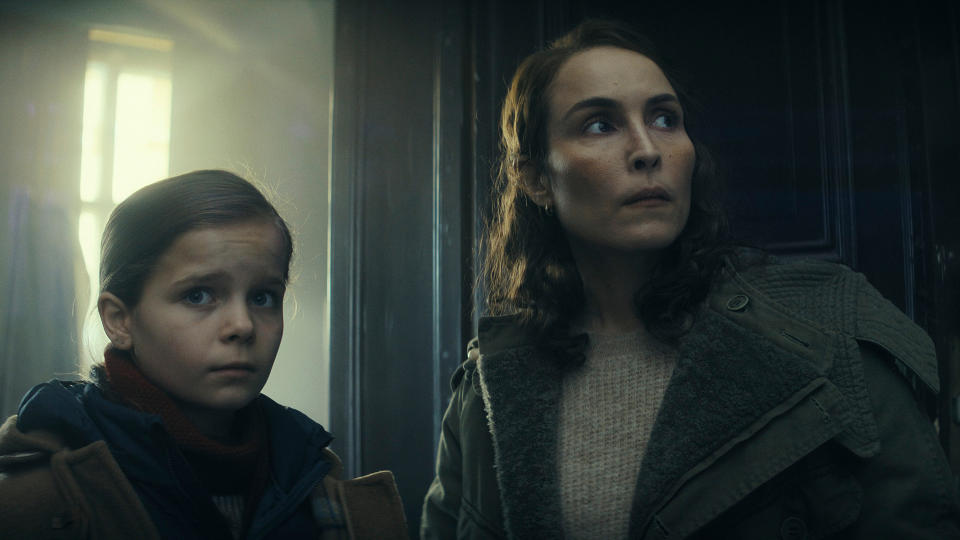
643	152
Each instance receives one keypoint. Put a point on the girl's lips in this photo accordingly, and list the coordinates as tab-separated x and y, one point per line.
237	367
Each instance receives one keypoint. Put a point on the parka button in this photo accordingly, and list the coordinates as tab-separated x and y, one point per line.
793	528
738	302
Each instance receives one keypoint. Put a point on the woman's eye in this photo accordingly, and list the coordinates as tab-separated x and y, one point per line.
598	126
264	299
665	121
198	297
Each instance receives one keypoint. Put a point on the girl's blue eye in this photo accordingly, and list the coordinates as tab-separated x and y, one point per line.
598	126
665	121
264	299
199	297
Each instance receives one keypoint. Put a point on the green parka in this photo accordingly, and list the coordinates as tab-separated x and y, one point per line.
791	413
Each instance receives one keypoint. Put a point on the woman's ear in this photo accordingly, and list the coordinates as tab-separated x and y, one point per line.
115	317
536	185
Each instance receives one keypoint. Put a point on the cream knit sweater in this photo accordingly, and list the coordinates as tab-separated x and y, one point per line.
607	411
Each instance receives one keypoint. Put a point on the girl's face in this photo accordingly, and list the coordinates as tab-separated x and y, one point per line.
208	325
620	163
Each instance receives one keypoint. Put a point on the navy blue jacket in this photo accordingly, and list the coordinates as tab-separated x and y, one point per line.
169	490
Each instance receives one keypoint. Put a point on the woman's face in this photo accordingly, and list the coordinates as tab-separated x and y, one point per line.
620	162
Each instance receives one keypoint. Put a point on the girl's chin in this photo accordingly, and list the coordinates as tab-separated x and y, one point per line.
221	405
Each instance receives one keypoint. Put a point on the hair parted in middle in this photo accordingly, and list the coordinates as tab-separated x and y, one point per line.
528	267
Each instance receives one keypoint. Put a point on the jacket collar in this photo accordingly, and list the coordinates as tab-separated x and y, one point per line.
521	391
737	363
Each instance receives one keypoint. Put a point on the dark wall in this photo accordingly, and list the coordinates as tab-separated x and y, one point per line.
833	121
397	246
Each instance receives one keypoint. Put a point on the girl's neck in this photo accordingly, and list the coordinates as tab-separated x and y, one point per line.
218	425
610	283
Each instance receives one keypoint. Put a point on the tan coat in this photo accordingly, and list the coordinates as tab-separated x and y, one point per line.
51	491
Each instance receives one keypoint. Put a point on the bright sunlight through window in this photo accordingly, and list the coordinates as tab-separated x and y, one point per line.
125	141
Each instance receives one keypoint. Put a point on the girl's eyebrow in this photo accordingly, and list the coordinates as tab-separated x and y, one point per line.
201	277
607	103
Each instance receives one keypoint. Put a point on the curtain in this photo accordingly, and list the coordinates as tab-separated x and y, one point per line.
42	64
39	336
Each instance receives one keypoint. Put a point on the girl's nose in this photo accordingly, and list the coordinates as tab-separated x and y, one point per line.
238	325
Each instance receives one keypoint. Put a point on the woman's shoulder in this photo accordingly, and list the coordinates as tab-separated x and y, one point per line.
827	292
784	271
839	300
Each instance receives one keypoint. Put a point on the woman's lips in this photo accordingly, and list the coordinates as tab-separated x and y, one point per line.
649	202
652	196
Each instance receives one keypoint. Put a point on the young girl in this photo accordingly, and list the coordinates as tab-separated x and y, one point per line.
171	438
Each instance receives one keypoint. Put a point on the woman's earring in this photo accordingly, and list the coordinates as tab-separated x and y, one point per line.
548	209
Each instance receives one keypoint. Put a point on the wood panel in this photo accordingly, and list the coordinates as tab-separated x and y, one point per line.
933	111
397	222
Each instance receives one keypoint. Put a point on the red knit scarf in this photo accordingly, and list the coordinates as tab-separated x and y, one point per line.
240	468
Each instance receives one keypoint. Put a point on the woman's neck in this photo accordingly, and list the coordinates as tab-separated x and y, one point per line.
610	283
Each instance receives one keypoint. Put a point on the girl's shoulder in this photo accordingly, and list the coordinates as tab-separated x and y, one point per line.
368	507
30	503
49	489
61	408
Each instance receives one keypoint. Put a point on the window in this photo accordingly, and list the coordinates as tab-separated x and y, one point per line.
126	140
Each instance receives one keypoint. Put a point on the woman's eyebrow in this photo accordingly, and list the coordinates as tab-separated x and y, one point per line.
662	98
608	103
594	102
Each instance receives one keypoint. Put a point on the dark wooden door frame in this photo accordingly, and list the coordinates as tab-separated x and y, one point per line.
400	234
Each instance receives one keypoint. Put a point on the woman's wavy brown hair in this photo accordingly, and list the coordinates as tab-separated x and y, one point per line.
528	268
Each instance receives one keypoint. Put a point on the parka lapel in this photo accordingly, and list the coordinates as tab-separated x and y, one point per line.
521	393
727	377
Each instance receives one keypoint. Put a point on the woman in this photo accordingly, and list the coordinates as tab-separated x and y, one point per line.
642	378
